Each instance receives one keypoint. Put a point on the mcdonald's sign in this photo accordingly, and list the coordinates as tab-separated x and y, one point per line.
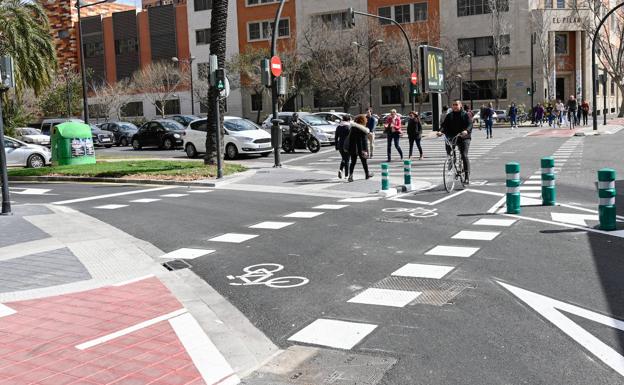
432	68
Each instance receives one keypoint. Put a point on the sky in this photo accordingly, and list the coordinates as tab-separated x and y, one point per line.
136	3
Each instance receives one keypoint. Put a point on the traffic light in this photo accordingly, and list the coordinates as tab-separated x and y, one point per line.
414	90
351	18
220	79
529	92
265	73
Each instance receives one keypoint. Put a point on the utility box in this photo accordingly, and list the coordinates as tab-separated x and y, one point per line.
72	143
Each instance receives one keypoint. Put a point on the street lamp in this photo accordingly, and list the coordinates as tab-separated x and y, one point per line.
461	87
189	62
370	47
85	102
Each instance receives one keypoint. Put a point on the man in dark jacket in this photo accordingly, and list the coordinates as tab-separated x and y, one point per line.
342	132
457	122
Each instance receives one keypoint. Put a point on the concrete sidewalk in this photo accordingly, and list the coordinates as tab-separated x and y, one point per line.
82	302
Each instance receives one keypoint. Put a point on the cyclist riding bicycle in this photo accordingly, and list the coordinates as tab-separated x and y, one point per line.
572	106
457	122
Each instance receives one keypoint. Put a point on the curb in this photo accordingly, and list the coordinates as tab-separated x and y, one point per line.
591	133
108	180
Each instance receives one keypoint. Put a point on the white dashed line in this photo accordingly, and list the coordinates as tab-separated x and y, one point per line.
113	195
110	207
385	297
199	191
145	200
533	182
233	238
476	235
453	251
303	214
535	176
418	270
31	191
530	188
174	195
271	225
495	222
330	207
185	253
360	200
333	333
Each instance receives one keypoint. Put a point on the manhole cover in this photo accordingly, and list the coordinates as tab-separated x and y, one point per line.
434	291
176	264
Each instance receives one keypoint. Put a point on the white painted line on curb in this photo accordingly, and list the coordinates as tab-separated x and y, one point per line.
333	333
271	225
31	191
360	200
303	214
501	202
330	207
453	251
233	238
418	270
174	195
210	363
6	311
110	207
476	235
385	297
128	330
145	200
133	280
93	198
185	253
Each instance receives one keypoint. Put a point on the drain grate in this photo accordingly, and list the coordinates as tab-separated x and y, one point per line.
176	264
436	292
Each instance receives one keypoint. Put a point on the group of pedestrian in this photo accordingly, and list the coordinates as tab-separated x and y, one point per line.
556	113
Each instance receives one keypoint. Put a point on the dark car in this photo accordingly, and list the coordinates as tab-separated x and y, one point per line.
122	131
165	134
184	120
101	137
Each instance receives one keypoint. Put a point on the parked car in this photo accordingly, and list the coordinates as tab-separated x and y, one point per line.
20	153
32	136
242	136
122	131
476	118
47	124
501	116
426	117
101	138
322	130
332	116
162	133
184	120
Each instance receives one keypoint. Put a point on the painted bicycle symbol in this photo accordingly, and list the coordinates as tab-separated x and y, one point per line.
261	275
416	212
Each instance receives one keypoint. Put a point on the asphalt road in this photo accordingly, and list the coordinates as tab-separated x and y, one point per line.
522	303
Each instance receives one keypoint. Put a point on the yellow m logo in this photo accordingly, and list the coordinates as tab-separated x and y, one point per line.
432	68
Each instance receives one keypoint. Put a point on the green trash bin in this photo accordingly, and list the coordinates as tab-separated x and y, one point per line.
72	143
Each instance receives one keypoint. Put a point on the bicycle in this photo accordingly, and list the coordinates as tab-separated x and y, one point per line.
260	274
453	166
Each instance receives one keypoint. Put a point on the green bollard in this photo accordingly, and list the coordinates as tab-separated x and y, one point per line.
549	190
407	173
606	193
385	174
513	187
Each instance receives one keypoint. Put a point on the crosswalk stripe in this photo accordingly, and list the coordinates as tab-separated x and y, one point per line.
333	333
385	297
418	270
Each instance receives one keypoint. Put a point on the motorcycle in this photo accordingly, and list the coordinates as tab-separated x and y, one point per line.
303	139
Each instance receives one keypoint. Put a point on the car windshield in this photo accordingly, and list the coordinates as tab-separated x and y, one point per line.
29	131
174	126
240	125
188	118
314	120
128	127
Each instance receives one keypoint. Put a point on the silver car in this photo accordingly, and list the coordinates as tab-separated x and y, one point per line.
32	136
19	153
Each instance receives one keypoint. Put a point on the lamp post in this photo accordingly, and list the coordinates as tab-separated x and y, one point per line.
370	48
469	56
85	102
461	87
533	41
189	62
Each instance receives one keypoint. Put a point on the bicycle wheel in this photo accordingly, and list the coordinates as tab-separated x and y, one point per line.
459	167
286	282
269	267
449	174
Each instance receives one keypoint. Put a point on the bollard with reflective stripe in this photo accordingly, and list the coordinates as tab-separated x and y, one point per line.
407	173
385	175
606	194
513	188
549	191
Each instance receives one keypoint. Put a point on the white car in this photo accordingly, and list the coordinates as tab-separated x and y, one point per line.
322	130
242	136
32	136
19	153
332	116
476	119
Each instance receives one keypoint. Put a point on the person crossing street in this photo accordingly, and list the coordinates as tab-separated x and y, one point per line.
457	122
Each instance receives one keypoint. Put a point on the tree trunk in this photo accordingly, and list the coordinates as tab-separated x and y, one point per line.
218	24
621	113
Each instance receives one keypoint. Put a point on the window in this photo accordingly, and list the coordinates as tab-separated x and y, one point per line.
385	12
202	36
126	46
482	46
548	4
132	109
63	34
262	30
391	95
172	107
561	43
484	89
202	5
612	88
258	2
256	102
402	13
560	3
479	7
420	12
333	21
93	49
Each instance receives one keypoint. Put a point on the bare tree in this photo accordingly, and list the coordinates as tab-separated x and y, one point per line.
610	39
111	97
247	65
499	29
159	81
541	26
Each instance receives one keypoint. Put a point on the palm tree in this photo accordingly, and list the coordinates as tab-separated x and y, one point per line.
25	36
218	27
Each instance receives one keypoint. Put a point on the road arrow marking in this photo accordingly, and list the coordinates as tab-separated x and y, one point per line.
575	219
551	310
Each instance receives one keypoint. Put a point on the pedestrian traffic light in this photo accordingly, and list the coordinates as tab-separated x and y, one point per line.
220	79
265	72
529	92
351	18
414	90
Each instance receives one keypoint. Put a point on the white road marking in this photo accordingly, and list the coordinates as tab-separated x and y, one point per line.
210	363
307	156
93	198
535	176
145	200
303	214
128	330
110	207
233	238
533	182
453	251
271	225
199	191
360	200
575	219
619	233
495	222
528	199
530	188
476	235
333	333
6	311
551	309
330	207
133	280
32	191
174	195
185	253
385	297
418	270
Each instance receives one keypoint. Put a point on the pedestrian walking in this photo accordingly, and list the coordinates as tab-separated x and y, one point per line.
550	114
371	124
342	133
539	114
481	113
393	131
358	145
585	110
560	112
489	120
572	106
469	112
445	111
414	133
513	115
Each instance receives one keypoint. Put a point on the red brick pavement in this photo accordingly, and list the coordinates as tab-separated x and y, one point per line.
37	343
554	132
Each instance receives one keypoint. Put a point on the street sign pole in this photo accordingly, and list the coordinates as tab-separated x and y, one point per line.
6	198
276	132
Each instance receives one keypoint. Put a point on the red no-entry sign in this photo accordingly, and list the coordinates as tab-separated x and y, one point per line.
414	78
276	66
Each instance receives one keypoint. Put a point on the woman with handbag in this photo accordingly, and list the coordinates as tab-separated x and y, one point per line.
358	145
342	139
393	132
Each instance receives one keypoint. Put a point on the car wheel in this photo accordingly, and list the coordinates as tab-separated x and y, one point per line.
191	151
123	142
35	161
167	144
266	154
231	151
109	146
136	144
